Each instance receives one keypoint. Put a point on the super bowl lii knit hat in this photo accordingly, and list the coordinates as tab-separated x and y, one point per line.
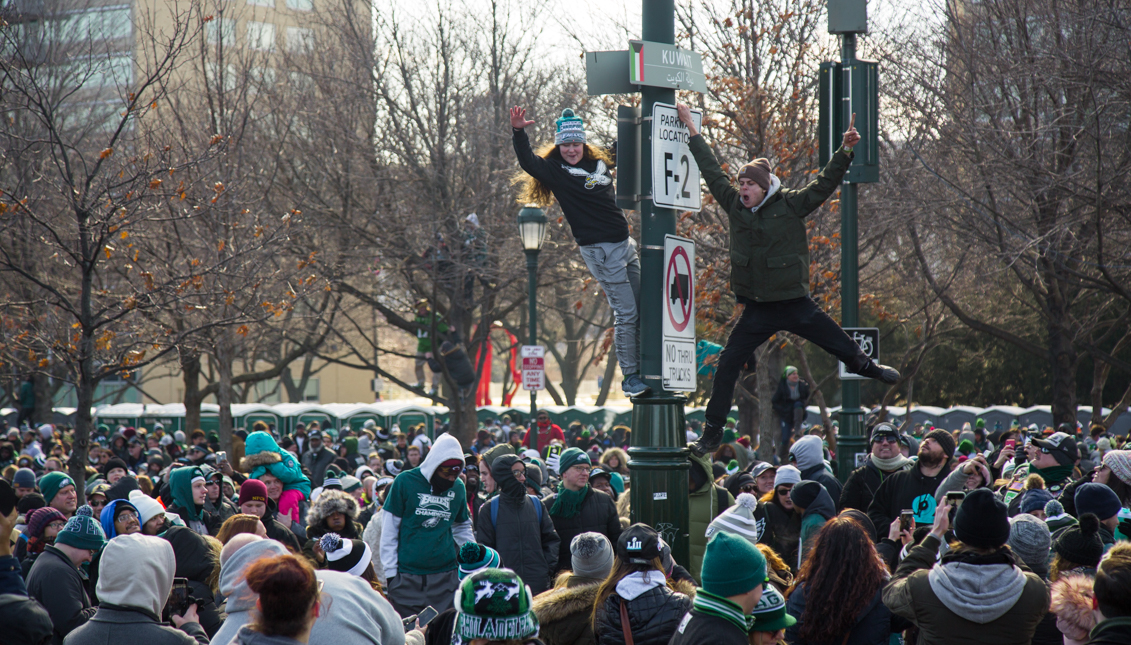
349	556
769	614
474	557
591	555
944	439
570	128
740	520
757	171
495	605
732	565
82	531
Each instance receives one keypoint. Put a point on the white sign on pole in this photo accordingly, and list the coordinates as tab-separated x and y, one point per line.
679	314
675	175
868	338
533	367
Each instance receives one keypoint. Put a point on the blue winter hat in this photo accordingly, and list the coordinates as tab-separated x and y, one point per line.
1035	500
570	128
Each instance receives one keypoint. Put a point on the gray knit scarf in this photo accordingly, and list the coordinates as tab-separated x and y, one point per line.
890	465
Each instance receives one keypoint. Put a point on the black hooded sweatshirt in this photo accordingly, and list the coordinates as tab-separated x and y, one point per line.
906	490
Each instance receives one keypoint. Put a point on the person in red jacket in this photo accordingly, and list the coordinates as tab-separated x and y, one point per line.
547	431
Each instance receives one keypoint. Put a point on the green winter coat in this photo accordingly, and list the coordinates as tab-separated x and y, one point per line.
769	248
704	505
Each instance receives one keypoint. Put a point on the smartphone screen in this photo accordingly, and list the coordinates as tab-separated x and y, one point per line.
1011	444
906	520
426	616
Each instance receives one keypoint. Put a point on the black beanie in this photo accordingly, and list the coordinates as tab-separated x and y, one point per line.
805	493
115	462
1081	544
982	520
944	439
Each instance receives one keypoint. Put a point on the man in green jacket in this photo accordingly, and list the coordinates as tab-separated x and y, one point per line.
769	263
424	319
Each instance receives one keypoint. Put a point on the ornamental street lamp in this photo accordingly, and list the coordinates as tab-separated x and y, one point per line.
532	231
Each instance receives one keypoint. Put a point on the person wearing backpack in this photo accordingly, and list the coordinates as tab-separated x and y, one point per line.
517	526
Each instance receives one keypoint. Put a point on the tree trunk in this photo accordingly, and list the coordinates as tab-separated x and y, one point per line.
190	374
43	399
1062	362
606	381
223	355
807	374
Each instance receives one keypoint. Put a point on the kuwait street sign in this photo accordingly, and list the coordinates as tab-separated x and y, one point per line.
663	65
868	338
678	369
675	175
533	367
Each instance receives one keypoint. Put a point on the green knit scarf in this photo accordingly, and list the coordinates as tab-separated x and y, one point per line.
568	502
1053	475
708	603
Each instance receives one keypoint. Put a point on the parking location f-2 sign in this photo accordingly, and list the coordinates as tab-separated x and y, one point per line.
675	175
679	315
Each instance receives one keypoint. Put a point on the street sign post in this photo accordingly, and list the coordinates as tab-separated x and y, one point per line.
679	314
868	338
675	175
664	65
533	367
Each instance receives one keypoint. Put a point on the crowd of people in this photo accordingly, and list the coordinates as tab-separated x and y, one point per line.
371	535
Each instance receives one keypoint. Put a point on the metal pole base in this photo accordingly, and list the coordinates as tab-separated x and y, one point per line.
658	464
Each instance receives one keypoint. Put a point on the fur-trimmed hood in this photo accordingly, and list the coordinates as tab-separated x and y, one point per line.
1072	603
563	603
250	462
330	502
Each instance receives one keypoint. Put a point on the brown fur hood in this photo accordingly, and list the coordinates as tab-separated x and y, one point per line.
250	462
561	603
1072	603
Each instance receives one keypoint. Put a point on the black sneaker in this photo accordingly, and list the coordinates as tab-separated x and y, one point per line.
874	370
709	442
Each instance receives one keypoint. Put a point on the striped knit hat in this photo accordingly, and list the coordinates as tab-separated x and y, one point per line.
744	519
473	556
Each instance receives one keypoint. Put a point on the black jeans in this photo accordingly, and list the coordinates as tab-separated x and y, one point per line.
758	322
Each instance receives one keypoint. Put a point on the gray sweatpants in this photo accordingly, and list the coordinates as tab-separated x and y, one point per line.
410	593
617	269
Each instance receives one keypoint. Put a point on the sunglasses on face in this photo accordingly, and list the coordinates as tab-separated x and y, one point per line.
94	503
887	439
783	490
748	488
450	470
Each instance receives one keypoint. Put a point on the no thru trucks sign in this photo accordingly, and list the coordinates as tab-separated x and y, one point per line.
679	314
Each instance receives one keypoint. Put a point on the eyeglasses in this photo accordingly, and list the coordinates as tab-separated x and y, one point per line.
519	473
450	470
581	468
126	515
56	525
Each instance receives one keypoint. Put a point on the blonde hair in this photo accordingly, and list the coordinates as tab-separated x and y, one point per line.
532	191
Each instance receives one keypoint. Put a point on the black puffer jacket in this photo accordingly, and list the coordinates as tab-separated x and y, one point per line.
653	617
598	513
196	561
526	546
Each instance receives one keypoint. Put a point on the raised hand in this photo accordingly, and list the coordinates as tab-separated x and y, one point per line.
685	115
851	137
518	118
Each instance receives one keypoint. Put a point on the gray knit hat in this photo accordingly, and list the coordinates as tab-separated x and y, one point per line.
592	555
1030	539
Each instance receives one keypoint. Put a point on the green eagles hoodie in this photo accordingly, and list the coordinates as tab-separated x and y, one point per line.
180	483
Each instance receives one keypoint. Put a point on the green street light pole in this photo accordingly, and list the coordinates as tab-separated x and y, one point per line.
532	231
851	439
657	457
